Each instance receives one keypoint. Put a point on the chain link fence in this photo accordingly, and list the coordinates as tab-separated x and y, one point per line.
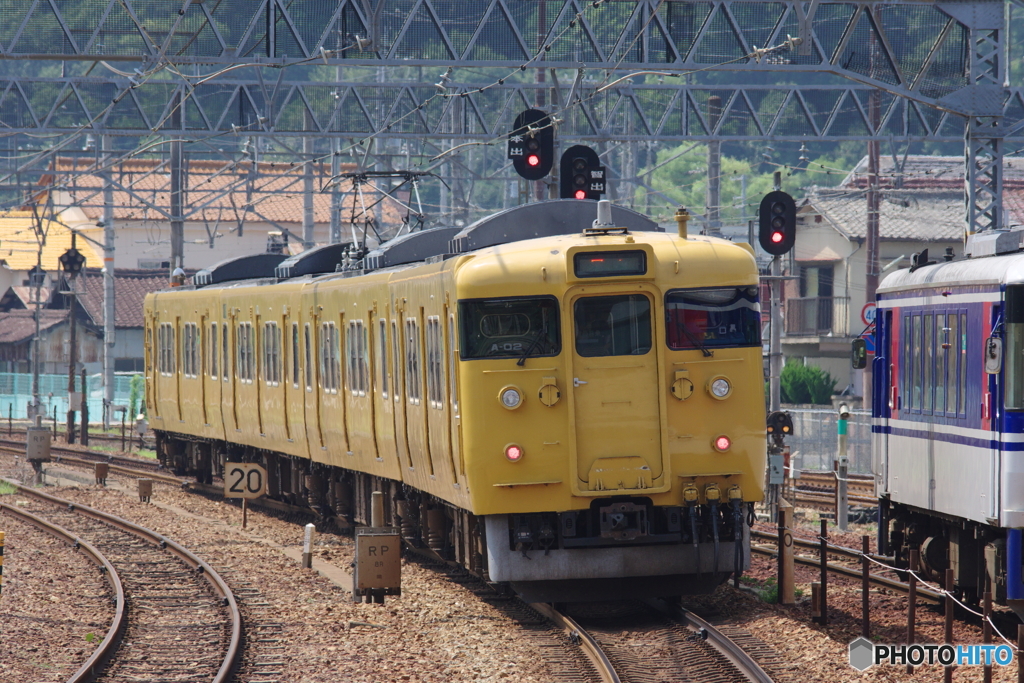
16	394
815	441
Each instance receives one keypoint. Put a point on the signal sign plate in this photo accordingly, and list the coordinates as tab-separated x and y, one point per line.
244	480
378	560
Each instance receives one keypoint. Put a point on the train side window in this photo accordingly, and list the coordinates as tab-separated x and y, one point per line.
355	348
225	353
295	355
453	389
1014	347
383	353
906	369
915	359
950	342
435	367
940	363
271	354
329	360
963	366
412	360
245	353
214	351
186	350
929	363
309	360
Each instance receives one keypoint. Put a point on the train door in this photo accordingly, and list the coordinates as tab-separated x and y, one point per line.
234	375
615	391
384	412
883	377
201	371
401	428
455	422
152	384
176	345
310	344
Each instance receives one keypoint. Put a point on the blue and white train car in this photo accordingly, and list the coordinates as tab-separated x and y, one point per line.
948	422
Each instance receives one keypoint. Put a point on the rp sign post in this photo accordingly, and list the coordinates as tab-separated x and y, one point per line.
244	480
378	563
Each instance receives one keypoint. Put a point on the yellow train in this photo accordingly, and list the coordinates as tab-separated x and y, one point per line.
570	405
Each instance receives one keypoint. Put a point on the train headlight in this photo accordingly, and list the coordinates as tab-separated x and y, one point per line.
514	452
722	443
511	397
719	387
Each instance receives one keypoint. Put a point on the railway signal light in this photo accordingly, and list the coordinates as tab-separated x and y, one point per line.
777	223
531	144
780	424
581	175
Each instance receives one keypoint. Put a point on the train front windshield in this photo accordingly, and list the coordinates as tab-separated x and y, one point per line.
509	328
713	318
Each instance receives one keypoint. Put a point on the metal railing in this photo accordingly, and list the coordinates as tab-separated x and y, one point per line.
818	316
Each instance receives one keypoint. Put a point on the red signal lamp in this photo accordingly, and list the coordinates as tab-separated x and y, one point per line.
777	237
533	160
580	194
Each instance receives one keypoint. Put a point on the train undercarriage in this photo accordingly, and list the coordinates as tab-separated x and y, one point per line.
620	547
978	554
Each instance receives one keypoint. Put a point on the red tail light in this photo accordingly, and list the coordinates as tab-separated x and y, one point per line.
722	443
514	452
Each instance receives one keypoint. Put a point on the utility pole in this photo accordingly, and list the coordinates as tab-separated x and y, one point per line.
177	189
307	184
873	198
714	194
109	317
37	280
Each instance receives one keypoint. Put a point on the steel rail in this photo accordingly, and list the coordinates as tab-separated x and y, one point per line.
842	551
850	572
18	448
192	560
735	654
118	469
112	640
590	646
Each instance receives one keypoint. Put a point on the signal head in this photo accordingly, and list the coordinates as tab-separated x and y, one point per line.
581	174
777	223
531	144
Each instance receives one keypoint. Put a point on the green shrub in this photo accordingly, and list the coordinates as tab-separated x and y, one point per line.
136	387
805	383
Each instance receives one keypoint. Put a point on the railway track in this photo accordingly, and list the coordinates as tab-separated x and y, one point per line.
727	660
182	621
64	454
817	490
651	641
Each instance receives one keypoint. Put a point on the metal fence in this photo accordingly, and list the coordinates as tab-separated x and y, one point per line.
815	441
818	316
16	394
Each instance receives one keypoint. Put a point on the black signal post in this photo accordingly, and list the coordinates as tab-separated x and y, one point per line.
777	223
581	175
531	144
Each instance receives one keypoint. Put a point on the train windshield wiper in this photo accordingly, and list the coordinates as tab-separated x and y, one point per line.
541	333
693	340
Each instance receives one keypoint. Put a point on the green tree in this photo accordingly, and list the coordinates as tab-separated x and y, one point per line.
136	388
805	383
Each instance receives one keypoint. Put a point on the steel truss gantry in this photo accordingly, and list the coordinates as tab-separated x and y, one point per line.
618	69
